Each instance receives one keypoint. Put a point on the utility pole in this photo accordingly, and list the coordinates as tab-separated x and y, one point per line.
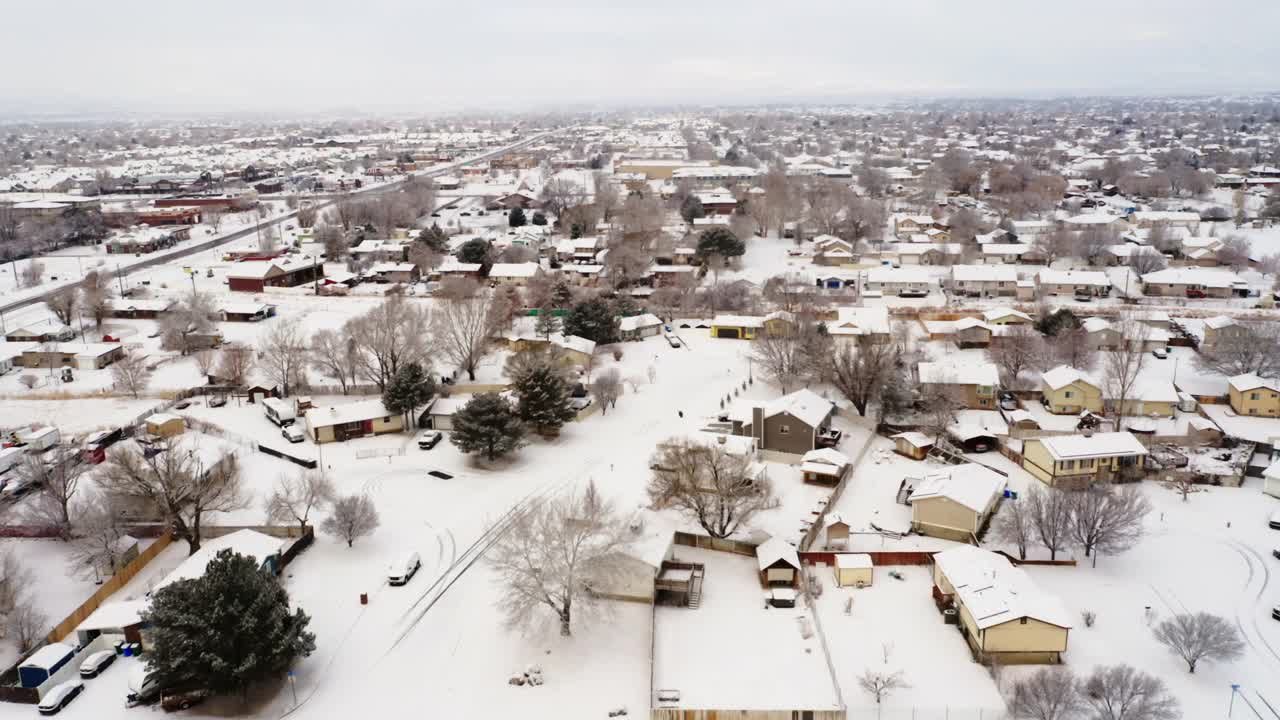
120	279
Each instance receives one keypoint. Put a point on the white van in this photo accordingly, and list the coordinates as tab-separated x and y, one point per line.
403	569
279	411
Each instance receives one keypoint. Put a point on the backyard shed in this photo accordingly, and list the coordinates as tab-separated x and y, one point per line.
779	562
854	569
165	425
43	663
837	530
915	445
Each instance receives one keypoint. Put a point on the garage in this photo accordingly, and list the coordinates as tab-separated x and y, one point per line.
853	570
729	333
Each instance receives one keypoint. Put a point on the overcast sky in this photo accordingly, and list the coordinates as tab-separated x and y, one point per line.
309	55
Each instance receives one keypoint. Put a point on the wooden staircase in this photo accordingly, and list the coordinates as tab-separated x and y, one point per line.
695	588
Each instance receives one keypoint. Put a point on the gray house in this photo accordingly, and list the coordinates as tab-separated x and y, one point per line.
795	423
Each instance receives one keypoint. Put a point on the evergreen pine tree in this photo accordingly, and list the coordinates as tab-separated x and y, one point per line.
562	294
475	250
691	209
516	217
226	629
719	242
539	218
410	388
592	319
544	399
548	324
487	424
434	238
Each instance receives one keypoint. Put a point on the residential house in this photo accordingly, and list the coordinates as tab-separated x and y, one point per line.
1096	221
904	226
396	272
1067	283
1004	616
983	280
257	275
1006	316
137	309
1249	394
514	274
641	326
1101	335
1222	328
1192	282
1074	461
1011	254
82	356
247	311
376	251
904	282
1067	391
363	418
971	384
1171	219
852	323
830	250
452	268
971	333
41	332
736	327
956	502
794	423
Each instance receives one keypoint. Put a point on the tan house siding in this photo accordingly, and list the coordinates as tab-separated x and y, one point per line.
942	515
969	395
1033	636
1261	402
1072	398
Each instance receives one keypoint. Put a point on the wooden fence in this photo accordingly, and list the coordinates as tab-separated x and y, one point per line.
1052	563
878	557
811	535
112	584
706	542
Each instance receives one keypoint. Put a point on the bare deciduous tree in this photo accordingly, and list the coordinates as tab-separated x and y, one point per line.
283	357
554	555
56	476
1123	365
1071	347
26	624
95	296
1121	692
204	361
296	495
389	336
1200	636
234	364
1046	694
97	528
31	275
172	480
461	330
858	370
1018	350
607	386
352	517
712	486
63	304
1015	525
1107	519
131	374
1050	511
880	684
1251	348
783	359
335	357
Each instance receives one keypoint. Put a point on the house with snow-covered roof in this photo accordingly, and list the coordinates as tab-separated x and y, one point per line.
956	502
971	384
1192	282
1074	461
1004	616
983	280
1068	391
1069	282
1249	394
794	423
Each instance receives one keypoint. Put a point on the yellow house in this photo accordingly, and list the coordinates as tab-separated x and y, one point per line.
1252	395
736	327
955	503
1073	461
1003	615
1067	391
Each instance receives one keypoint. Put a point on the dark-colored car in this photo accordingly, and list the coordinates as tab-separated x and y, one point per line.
183	699
1195	293
182	405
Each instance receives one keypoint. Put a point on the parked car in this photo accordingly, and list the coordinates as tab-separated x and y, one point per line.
428	439
1195	293
293	433
1083	296
59	695
96	663
1008	401
1161	353
217	401
1275	613
403	569
580	404
1274	522
1276	553
673	341
183	699
182	405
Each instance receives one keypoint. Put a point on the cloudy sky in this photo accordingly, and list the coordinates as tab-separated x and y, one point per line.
380	55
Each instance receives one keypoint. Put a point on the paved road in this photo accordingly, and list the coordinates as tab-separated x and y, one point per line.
244	232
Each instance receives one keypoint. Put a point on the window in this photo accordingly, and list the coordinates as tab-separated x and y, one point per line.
1254	396
784	429
1067	394
1069	465
1022	621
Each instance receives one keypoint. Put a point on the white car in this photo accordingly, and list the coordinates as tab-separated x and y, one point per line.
293	433
96	663
1274	522
403	569
428	439
673	341
58	696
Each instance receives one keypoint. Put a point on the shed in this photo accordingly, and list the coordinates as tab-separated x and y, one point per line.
123	617
854	569
779	563
43	663
824	466
915	445
837	530
165	425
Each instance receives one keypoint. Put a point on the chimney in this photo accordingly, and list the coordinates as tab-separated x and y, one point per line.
1088	432
721	439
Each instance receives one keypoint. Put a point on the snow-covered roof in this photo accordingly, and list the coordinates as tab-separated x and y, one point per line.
1217	322
775	549
1062	376
1005	248
805	405
114	614
747	321
573	342
635	322
48	656
347	413
914	438
1073	277
860	321
853	561
825	456
886	274
1250	381
972	486
252	543
994	591
514	270
957	372
1108	444
1095	324
995	314
983	273
1207	277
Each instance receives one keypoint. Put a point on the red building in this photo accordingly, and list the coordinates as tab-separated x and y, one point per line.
255	275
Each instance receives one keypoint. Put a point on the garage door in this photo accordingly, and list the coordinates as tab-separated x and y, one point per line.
731	333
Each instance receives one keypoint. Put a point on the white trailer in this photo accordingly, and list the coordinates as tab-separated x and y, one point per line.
279	411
